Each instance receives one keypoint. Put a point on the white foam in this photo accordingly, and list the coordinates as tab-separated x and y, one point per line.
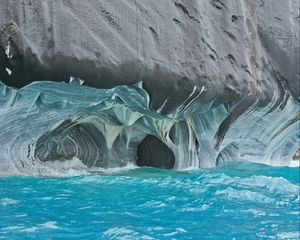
255	212
69	168
49	225
288	235
11	228
277	185
244	195
30	229
52	225
128	167
122	233
8	201
295	163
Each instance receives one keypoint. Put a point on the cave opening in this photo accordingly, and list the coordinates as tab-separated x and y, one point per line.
152	152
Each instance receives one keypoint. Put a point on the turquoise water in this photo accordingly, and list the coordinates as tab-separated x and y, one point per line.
237	201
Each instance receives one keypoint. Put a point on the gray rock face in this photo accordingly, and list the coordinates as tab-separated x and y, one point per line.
238	50
176	83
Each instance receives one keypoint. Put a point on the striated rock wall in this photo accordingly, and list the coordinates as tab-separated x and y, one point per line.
196	83
238	49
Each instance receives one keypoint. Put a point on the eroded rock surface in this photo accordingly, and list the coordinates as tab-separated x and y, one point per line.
237	50
212	81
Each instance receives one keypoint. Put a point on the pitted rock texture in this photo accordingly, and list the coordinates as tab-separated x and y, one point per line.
240	51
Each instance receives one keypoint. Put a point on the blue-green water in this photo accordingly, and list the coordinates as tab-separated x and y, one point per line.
238	201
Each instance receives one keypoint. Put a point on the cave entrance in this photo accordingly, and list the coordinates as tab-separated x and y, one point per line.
152	152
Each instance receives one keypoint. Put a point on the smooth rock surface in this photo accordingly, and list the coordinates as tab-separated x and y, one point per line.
212	81
238	50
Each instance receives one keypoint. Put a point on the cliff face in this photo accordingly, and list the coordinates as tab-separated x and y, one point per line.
175	83
238	50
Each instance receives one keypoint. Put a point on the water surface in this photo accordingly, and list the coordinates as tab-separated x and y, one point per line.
237	201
